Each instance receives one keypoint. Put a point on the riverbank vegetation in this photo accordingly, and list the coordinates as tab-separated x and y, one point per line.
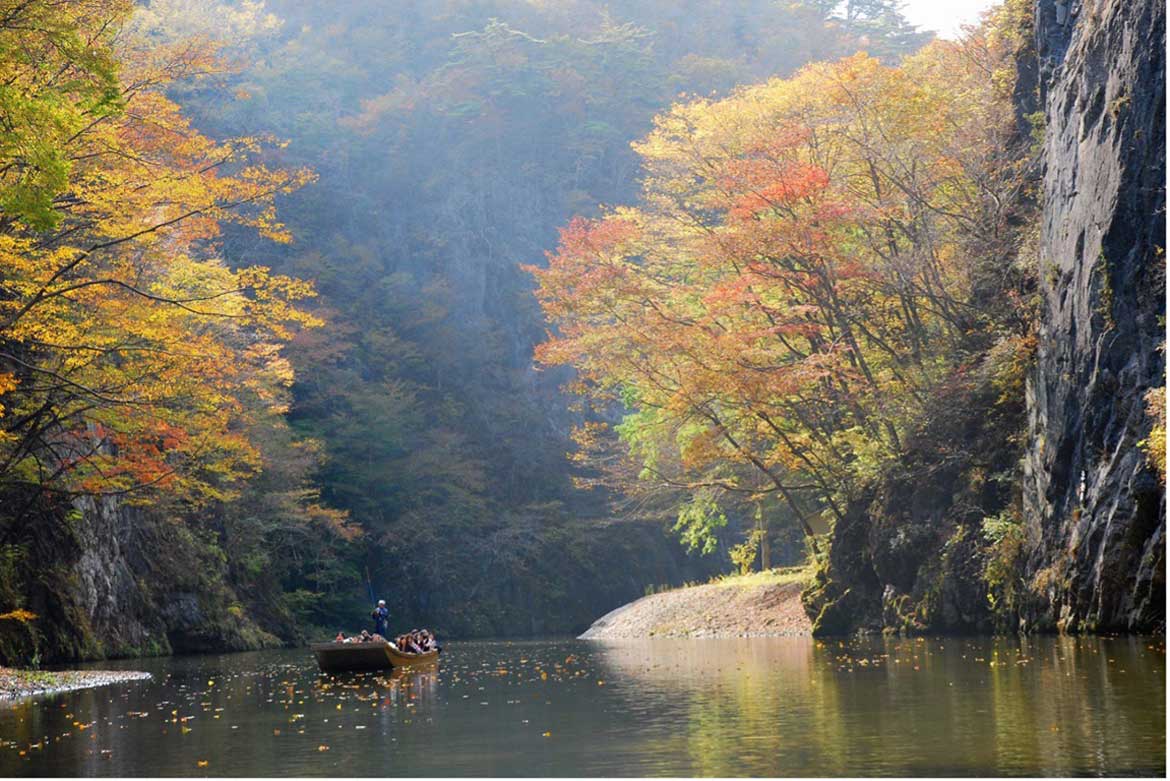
824	311
813	263
267	323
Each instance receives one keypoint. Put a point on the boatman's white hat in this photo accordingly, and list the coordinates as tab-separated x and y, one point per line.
381	602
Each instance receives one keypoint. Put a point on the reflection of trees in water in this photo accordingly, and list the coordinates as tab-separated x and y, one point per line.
704	707
737	697
916	706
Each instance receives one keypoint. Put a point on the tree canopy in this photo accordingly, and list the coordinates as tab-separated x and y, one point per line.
797	278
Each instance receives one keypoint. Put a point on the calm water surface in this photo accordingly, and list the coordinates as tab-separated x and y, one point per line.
790	706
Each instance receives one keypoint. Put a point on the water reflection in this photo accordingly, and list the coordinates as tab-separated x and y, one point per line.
1049	706
782	706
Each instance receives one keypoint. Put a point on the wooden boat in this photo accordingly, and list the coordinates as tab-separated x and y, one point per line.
340	657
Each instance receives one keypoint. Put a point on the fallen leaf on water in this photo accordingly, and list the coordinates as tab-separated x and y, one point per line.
322	747
546	735
201	763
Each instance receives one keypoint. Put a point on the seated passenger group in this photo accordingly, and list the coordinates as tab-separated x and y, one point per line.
416	641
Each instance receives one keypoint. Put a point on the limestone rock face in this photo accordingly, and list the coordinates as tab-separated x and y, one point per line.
116	580
1095	508
108	591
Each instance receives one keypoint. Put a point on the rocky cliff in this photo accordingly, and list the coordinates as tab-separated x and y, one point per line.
1095	509
108	579
1042	512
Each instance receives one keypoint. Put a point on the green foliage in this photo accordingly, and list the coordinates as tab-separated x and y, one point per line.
61	75
879	25
698	521
743	555
12	559
451	140
1008	364
1004	536
1037	121
483	127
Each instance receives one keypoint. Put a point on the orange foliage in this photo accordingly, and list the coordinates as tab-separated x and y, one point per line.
791	286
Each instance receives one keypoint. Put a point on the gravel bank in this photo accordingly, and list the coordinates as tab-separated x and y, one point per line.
15	684
734	608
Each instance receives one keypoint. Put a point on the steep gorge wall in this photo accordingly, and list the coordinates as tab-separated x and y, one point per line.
1065	460
106	579
1095	508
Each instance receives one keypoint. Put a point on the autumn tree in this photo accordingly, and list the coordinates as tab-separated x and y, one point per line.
125	338
794	283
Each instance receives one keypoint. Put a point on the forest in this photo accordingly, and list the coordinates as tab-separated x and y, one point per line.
510	311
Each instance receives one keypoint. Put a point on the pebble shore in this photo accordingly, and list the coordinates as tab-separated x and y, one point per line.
712	610
17	684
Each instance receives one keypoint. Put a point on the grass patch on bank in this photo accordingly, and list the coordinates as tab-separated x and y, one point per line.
777	576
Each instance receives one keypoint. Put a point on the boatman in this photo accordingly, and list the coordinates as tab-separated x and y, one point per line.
381	618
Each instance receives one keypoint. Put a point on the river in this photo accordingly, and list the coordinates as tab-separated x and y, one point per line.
779	706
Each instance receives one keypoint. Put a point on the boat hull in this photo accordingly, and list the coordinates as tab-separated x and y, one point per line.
340	657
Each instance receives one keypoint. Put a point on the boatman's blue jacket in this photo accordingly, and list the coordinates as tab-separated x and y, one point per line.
381	620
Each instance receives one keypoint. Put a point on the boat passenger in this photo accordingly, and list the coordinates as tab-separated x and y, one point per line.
340	637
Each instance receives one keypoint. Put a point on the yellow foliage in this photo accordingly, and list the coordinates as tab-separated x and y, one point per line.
134	357
1155	443
23	616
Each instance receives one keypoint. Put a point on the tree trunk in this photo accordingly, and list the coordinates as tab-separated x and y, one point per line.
765	545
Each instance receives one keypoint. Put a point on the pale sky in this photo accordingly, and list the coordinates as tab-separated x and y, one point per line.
945	16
